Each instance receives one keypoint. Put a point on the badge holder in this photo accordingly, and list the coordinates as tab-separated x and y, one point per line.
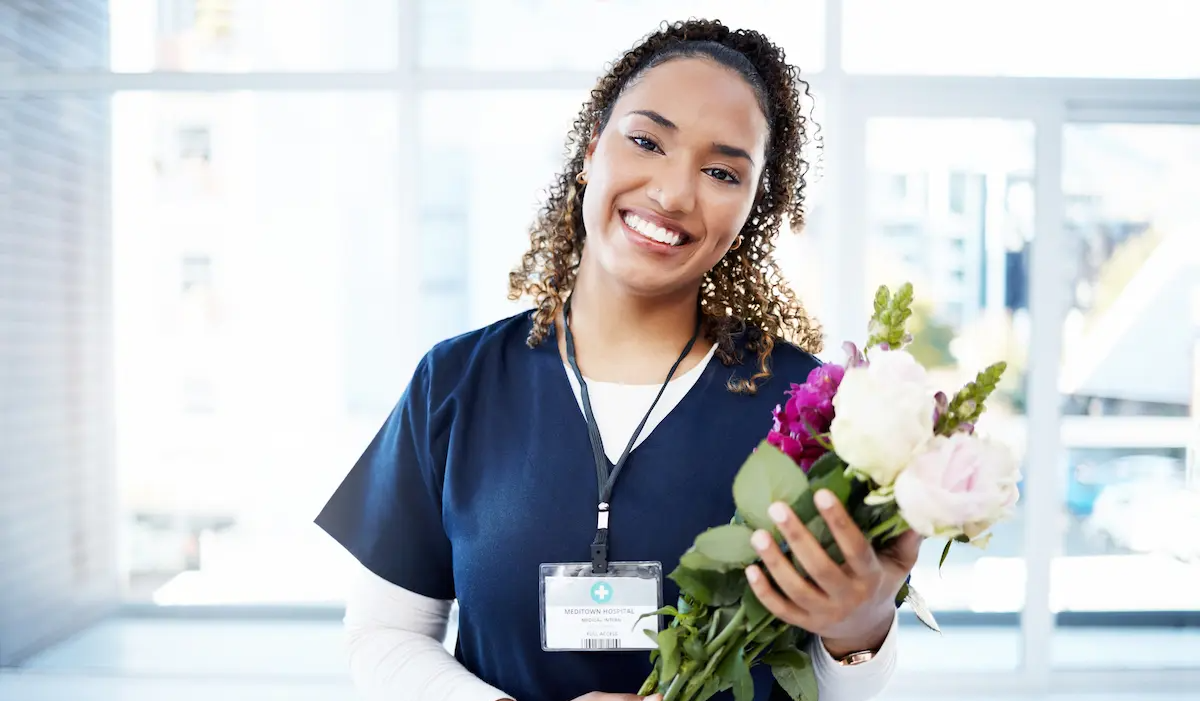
600	606
582	611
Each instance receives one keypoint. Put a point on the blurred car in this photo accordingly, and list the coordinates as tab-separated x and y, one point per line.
1088	479
1149	517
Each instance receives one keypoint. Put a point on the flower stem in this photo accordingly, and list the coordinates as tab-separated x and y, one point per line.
650	684
884	527
680	681
762	647
730	630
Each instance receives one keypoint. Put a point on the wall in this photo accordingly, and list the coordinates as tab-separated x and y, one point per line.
58	565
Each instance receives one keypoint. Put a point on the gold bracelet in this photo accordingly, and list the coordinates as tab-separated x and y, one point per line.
856	658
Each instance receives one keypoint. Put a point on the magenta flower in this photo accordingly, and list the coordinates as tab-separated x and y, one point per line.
800	423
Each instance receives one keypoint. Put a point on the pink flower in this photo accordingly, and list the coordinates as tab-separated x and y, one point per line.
807	415
961	484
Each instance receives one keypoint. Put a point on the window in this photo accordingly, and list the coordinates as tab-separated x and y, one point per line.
239	36
261	333
586	34
1064	38
195	143
197	272
1132	498
960	326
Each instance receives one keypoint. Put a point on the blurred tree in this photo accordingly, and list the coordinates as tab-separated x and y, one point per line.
931	339
1120	268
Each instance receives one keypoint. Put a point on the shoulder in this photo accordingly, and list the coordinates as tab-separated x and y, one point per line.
786	364
451	361
792	362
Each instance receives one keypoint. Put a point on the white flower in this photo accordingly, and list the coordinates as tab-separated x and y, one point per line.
962	484
883	412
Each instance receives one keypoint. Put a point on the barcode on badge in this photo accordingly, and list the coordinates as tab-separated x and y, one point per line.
601	644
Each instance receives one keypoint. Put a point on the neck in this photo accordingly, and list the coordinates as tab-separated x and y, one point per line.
621	337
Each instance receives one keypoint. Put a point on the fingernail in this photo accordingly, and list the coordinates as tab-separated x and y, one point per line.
752	574
778	512
761	540
825	499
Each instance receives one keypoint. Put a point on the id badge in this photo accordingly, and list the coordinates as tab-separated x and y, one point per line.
585	612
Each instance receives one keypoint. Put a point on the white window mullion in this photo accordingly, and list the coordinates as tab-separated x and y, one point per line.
845	237
408	126
1048	301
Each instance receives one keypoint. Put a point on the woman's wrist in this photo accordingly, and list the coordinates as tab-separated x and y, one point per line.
870	640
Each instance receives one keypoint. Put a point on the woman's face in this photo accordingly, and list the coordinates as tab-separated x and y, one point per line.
673	176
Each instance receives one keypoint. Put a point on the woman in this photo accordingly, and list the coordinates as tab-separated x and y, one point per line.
657	237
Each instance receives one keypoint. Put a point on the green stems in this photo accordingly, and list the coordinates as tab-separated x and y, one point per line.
730	630
693	678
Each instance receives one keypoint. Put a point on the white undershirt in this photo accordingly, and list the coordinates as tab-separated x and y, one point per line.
397	639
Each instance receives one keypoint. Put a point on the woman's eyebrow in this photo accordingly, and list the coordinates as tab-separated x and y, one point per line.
723	149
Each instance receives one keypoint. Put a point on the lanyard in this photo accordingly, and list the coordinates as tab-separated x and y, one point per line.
605	479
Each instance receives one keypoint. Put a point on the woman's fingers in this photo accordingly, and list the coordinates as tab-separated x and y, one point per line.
807	550
856	549
794	588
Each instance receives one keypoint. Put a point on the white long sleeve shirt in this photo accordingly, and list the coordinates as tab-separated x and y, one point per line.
398	652
397	639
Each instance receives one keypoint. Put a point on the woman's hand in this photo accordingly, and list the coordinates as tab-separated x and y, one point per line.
850	607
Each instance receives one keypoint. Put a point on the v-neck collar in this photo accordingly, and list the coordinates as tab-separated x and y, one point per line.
686	404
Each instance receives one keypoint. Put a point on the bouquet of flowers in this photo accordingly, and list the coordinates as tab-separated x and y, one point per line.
896	454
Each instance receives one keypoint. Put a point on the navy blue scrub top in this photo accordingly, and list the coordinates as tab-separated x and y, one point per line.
483	471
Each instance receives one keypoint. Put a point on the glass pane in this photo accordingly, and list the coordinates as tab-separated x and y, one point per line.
260	331
587	34
1065	38
950	208
1132	484
487	159
238	36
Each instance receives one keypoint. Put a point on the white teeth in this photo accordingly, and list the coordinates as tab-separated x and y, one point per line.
652	231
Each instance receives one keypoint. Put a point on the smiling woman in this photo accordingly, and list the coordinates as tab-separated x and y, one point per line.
657	235
701	138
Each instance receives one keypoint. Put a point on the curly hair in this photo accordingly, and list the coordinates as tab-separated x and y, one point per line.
742	295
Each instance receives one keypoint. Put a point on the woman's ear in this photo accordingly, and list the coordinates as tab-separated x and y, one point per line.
591	149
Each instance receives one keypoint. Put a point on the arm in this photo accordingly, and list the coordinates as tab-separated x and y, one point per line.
394	640
859	682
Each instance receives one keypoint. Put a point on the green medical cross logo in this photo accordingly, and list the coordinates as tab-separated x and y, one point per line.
601	593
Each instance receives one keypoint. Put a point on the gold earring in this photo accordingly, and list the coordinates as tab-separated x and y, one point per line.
581	178
737	243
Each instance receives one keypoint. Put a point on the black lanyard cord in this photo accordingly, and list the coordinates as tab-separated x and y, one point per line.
605	478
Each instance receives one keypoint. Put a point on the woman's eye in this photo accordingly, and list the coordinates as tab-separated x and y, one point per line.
722	175
644	143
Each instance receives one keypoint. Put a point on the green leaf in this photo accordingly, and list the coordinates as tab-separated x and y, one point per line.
653	636
945	553
733	673
695	560
766	477
664	611
668	645
755	611
820	530
835	481
727	545
743	683
693	647
712	687
827	463
708	587
794	671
